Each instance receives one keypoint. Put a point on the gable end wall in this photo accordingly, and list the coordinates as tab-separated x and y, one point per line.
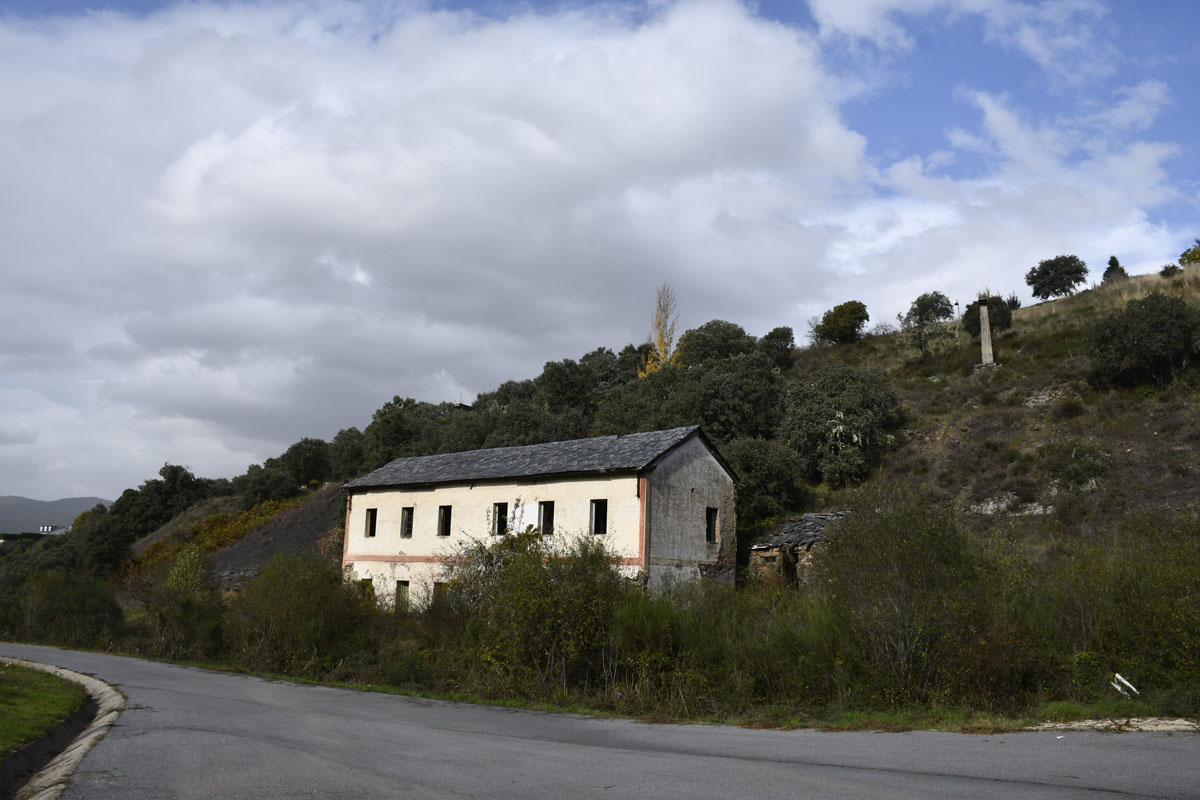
686	482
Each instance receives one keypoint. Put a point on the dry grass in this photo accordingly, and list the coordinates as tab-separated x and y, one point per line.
1103	299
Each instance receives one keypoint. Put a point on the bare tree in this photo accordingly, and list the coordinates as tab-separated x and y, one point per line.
662	336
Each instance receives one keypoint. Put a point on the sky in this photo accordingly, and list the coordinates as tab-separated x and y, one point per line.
225	226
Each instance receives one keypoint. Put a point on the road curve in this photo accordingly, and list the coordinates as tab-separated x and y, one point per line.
192	733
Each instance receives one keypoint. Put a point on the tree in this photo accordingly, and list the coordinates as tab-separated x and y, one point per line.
999	315
306	462
922	322
346	454
1056	276
712	341
1148	341
769	478
838	421
1115	271
842	324
662	337
777	347
1190	256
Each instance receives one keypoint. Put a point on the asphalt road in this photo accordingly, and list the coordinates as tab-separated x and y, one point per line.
191	733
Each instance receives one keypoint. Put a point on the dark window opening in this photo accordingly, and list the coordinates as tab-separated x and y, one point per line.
372	514
443	520
406	522
710	524
599	522
500	518
546	517
401	595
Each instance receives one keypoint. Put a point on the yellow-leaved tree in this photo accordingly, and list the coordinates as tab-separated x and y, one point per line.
662	337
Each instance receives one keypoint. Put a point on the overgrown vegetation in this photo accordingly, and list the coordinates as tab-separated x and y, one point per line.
906	609
1041	532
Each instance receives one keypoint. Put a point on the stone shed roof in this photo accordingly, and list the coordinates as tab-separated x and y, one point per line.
802	531
600	454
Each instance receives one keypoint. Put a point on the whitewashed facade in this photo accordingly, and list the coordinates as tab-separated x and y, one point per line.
664	501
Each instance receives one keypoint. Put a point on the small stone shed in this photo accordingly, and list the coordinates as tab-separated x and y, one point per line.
787	554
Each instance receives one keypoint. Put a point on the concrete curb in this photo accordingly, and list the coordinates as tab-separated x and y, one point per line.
49	783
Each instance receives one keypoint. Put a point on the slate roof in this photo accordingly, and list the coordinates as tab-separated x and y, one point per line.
802	531
600	454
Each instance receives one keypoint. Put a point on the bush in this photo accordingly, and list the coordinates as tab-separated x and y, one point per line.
539	612
1131	604
298	616
999	315
1150	340
842	324
1169	271
69	610
184	614
1056	276
838	422
899	571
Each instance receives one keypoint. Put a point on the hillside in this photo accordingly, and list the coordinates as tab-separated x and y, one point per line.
1032	442
1029	446
22	515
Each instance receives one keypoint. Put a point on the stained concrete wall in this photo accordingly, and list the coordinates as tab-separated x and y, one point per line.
683	485
387	557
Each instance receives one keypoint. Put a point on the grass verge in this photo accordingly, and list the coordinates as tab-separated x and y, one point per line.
32	702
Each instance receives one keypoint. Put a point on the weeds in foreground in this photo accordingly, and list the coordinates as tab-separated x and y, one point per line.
907	622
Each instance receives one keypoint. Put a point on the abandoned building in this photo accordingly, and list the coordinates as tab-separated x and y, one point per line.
663	500
787	554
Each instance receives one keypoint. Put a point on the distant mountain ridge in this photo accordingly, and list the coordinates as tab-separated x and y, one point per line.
22	515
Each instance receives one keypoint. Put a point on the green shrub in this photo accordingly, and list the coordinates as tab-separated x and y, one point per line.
900	573
184	616
1150	340
69	609
1131	604
298	616
838	421
539	611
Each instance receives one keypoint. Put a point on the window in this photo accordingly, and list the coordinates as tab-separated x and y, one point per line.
443	520
439	590
372	513
599	517
546	517
367	587
406	518
710	524
401	595
499	518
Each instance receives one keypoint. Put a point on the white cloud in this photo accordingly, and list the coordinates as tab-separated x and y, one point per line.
1059	36
225	226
